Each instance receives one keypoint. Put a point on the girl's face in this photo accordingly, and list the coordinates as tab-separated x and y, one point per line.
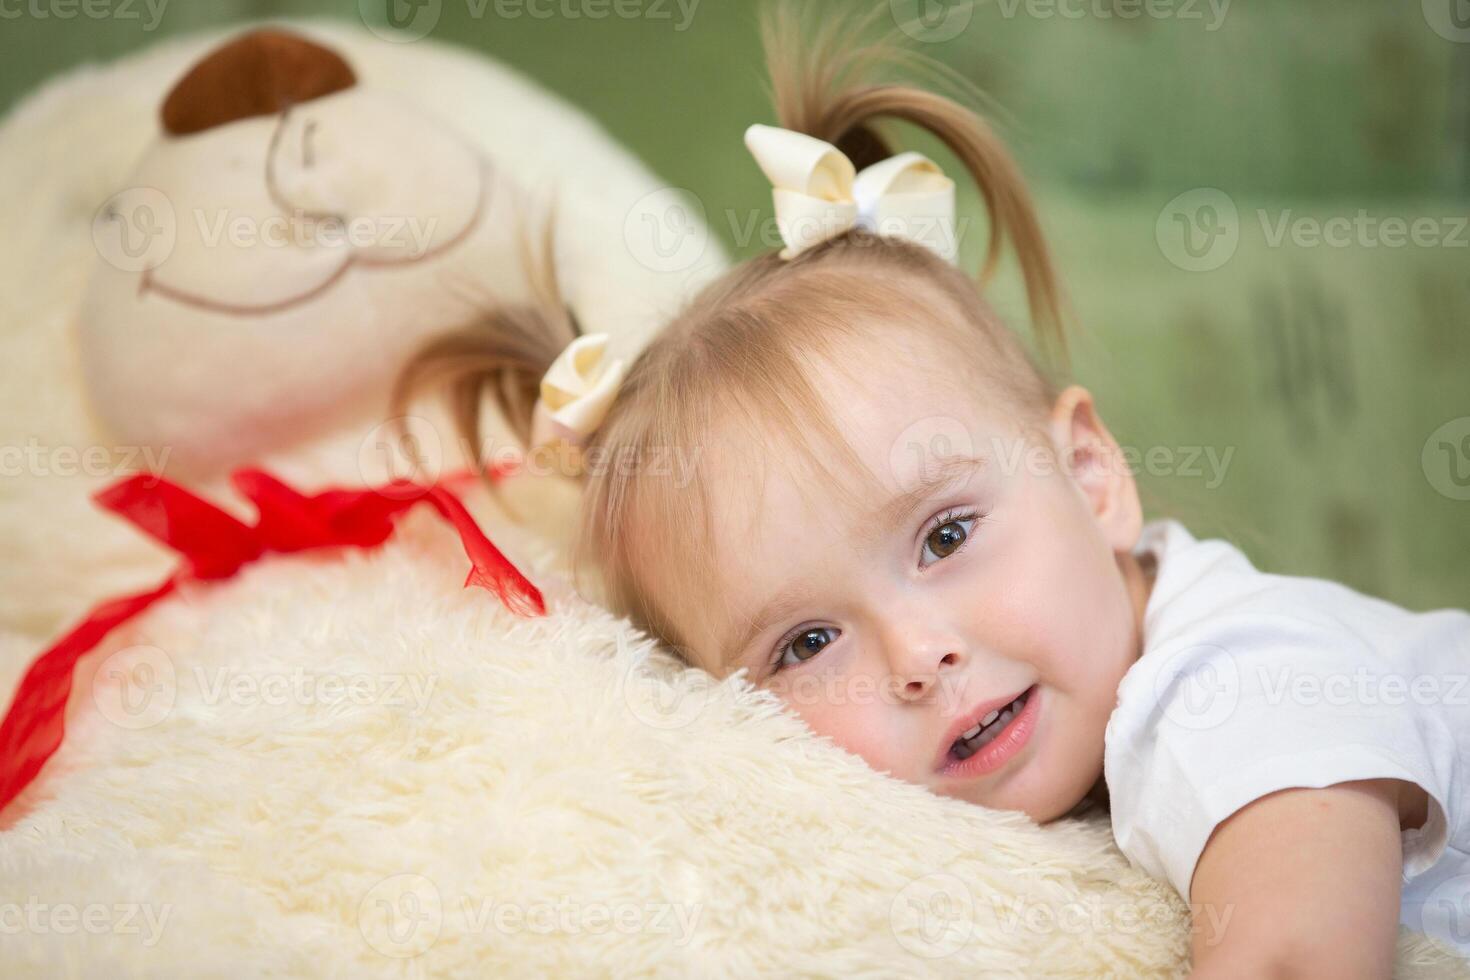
991	568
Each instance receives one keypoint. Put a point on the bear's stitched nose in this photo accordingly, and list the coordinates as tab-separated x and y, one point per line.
257	74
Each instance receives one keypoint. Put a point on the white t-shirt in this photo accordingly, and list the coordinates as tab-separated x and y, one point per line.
1250	683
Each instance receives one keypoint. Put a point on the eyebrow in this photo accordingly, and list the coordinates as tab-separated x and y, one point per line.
937	477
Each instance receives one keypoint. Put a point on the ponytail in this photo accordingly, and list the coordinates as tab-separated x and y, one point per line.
503	354
825	83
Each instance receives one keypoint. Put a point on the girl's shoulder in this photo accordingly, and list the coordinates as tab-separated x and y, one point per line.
1250	682
1207	587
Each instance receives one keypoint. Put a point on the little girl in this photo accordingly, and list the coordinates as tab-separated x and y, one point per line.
936	556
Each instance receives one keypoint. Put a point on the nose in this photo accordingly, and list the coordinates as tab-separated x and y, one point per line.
921	651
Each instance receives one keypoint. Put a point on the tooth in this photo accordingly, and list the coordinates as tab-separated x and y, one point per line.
987	731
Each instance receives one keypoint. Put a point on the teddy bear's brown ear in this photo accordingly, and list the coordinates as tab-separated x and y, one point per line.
256	74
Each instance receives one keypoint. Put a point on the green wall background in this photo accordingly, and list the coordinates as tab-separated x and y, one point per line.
1336	378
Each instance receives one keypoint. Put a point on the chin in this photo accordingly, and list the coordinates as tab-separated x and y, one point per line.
1041	807
1051	810
1056	778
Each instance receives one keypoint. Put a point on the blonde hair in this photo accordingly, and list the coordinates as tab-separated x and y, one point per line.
743	346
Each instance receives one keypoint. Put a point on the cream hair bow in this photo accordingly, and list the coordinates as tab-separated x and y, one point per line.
818	194
576	392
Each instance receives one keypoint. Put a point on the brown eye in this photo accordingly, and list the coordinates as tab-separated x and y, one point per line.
806	645
949	537
944	540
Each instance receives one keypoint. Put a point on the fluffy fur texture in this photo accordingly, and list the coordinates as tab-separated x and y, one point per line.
348	765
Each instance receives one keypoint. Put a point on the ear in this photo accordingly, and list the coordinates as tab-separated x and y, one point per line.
1092	457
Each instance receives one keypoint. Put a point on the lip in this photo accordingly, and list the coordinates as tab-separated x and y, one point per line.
1000	749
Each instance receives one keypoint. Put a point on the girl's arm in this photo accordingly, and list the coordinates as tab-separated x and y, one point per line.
1310	881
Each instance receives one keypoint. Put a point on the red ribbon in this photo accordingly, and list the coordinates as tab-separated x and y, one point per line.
214	545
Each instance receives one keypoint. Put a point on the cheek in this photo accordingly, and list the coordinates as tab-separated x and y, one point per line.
1056	598
855	712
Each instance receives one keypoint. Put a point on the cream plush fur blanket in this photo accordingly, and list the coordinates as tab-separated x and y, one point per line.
348	765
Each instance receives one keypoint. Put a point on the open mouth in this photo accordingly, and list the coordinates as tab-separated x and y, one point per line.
989	729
